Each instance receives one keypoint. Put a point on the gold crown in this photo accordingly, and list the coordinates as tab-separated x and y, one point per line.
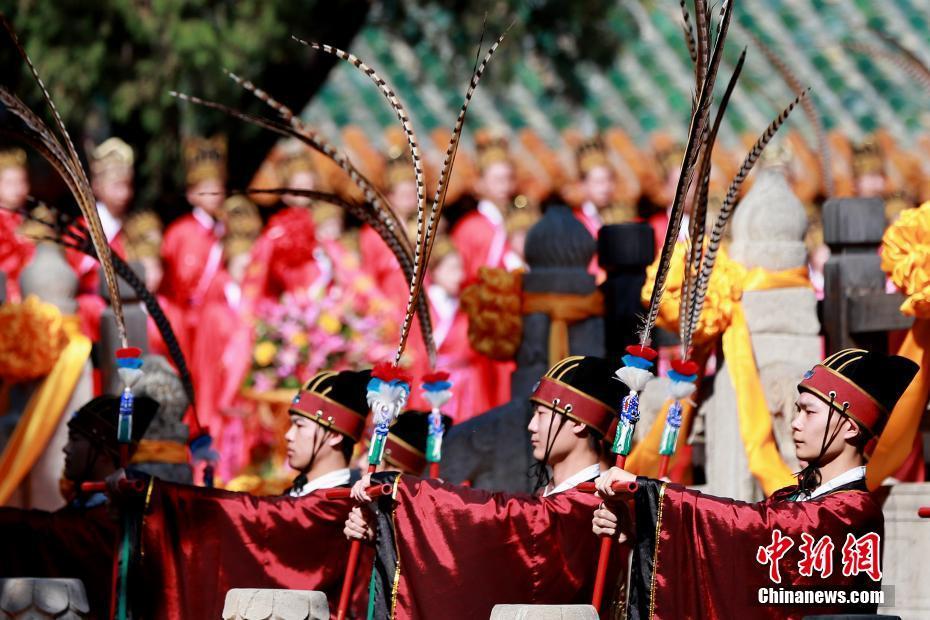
399	167
297	159
522	215
243	225
12	158
491	149
112	157
668	152
867	159
40	225
143	235
591	154
205	159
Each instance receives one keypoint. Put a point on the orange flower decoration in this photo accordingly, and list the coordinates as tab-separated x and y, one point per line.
906	259
31	339
724	290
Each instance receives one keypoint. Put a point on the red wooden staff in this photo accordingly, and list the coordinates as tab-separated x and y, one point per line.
387	395
635	374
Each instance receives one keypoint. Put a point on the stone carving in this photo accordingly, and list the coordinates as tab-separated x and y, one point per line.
543	612
768	232
254	604
37	599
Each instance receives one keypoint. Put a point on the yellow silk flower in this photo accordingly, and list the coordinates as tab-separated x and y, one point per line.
264	353
31	339
724	290
906	259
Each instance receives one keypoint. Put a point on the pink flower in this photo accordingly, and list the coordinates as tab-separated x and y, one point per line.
263	382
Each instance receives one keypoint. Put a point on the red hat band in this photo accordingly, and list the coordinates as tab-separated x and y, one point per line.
575	404
824	382
401	454
329	413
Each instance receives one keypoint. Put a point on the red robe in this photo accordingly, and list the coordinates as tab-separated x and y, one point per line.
480	242
453	552
379	262
15	252
698	553
70	542
198	543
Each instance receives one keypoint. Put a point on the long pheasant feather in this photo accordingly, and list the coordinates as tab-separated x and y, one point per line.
83	194
729	202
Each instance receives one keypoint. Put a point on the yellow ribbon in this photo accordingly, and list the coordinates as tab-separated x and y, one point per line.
44	410
725	315
906	260
160	451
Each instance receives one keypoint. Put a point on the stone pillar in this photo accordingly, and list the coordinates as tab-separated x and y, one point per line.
543	612
49	277
768	232
906	548
36	599
493	450
253	604
136	327
860	311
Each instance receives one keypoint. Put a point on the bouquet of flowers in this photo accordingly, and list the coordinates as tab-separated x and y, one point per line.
301	334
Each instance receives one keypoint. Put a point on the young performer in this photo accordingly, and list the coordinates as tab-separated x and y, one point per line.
702	556
327	420
14	190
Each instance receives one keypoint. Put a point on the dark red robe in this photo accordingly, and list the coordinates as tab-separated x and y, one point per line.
696	555
450	552
70	542
198	543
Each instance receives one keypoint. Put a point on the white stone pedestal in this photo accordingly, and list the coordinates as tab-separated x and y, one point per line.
36	599
254	604
543	612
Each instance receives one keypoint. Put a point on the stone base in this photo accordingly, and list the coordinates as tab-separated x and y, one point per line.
543	612
255	604
36	599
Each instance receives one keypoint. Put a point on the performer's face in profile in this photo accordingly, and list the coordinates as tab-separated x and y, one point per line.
304	440
83	462
810	425
563	434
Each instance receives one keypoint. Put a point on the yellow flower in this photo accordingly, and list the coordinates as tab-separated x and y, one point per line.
329	323
299	339
264	353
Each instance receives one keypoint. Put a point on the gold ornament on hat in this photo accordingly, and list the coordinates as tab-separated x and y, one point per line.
143	230
867	159
12	158
112	158
243	225
491	149
295	161
399	168
205	159
591	154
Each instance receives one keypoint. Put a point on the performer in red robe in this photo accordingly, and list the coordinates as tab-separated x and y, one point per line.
15	250
192	250
698	556
77	541
480	237
492	548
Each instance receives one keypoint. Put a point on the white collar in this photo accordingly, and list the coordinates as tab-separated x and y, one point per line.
856	473
489	210
588	473
203	218
111	226
331	480
590	209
